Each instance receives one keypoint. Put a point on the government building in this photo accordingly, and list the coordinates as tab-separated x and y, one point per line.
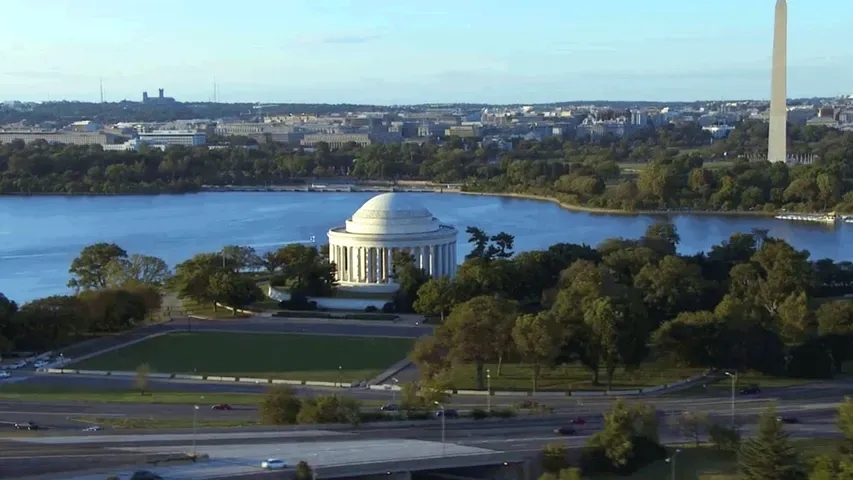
363	248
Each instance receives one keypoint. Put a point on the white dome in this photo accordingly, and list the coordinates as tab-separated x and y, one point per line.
392	214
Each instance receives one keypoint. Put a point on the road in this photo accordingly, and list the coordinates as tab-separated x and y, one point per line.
522	434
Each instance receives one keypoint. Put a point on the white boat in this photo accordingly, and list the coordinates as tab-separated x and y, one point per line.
830	218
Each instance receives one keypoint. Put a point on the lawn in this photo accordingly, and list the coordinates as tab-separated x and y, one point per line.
145	423
570	377
45	393
708	463
296	357
723	384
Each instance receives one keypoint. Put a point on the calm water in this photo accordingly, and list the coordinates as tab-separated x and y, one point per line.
39	236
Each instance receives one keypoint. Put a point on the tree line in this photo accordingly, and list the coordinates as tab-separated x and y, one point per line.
629	440
680	168
751	303
115	291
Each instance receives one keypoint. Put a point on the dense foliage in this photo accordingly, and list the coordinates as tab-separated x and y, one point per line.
750	303
675	166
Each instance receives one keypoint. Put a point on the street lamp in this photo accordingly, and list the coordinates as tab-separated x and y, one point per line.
671	462
340	376
734	382
443	446
488	391
394	390
195	412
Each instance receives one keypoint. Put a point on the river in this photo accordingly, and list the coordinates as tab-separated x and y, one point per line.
39	236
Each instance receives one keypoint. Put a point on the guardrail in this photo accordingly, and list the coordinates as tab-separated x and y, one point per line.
385	387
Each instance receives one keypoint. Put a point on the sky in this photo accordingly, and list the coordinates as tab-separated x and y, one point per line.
411	51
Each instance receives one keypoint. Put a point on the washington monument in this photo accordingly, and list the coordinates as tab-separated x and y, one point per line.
777	146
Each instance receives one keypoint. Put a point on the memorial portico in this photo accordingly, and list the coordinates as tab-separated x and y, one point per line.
388	223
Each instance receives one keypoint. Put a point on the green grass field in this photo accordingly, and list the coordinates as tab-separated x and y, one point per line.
296	357
569	377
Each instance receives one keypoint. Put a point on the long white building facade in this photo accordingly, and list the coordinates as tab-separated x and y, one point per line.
364	247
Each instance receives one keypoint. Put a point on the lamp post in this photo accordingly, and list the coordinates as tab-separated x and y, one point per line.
394	390
443	446
734	383
488	391
671	461
340	376
195	412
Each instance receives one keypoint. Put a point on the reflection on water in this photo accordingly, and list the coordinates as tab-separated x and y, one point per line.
43	234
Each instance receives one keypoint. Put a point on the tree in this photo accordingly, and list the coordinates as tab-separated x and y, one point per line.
141	378
89	269
115	309
845	424
409	277
192	277
304	471
430	355
537	340
271	261
692	424
623	426
135	270
662	237
770	455
796	322
435	297
243	257
564	474
835	317
670	287
48	322
479	240
279	406
554	457
305	271
501	246
479	331
234	290
618	331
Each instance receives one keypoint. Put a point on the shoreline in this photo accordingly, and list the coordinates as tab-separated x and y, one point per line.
411	189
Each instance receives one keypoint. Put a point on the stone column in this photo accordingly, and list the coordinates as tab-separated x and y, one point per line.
449	248
373	257
351	266
432	260
455	259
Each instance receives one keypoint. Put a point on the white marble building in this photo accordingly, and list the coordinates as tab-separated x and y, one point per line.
387	223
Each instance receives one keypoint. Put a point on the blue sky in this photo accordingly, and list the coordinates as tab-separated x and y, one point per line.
410	51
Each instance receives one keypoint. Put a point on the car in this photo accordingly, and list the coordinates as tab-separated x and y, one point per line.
40	363
447	413
788	420
750	390
145	475
27	426
273	464
5	374
565	431
221	406
93	428
390	408
578	421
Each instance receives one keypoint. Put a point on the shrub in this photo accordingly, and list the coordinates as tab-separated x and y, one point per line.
280	406
304	471
594	459
389	307
503	413
298	301
479	414
418	415
554	457
726	439
370	309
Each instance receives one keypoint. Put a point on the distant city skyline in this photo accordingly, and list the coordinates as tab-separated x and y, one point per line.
373	52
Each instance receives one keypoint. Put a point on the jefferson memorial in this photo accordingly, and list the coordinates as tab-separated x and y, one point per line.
388	223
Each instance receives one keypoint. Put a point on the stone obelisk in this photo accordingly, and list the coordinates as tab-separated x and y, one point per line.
777	145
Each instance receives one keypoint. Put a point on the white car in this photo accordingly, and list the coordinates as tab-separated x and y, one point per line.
5	374
40	364
93	428
273	464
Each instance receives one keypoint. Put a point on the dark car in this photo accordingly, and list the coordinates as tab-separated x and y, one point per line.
27	426
448	413
578	421
390	408
750	390
788	420
221	406
145	475
565	431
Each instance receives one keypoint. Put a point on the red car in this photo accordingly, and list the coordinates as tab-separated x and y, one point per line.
578	421
221	406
